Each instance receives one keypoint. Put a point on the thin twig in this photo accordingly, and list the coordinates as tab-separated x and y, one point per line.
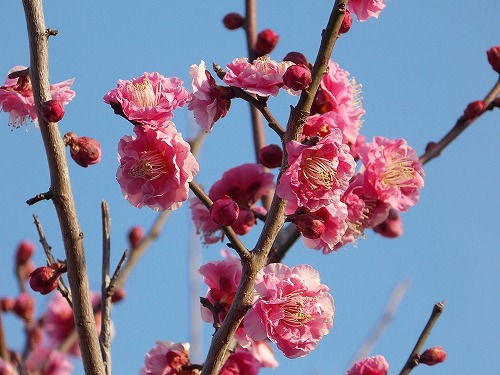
105	336
39	197
111	287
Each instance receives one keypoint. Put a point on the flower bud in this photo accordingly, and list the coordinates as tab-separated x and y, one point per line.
233	21
296	57
346	23
135	236
24	252
85	151
7	304
224	211
52	110
309	226
494	58
44	279
431	146
392	227
266	41
474	109
270	156
118	295
25	306
433	356
297	77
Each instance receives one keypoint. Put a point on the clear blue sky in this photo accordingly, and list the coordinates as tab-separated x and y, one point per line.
420	63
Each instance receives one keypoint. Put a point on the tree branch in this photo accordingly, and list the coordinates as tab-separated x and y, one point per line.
105	336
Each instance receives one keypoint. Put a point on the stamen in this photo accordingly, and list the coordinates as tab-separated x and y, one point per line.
144	94
150	166
294	314
398	171
320	172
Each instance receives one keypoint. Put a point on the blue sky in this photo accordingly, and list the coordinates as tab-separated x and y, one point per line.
419	64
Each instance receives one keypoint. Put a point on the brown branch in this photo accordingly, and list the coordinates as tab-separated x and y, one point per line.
111	287
105	336
413	358
62	193
39	197
4	351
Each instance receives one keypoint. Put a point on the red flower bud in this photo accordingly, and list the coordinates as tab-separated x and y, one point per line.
346	23
392	226
24	252
296	57
135	236
44	279
85	151
118	295
52	110
309	226
25	307
7	304
474	109
433	356
224	211
494	58
266	41
270	156
297	77
233	21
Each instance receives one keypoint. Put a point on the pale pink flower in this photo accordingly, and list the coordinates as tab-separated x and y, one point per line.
16	97
316	175
293	309
322	125
262	351
263	77
376	365
364	9
149	99
167	358
209	102
240	362
6	368
47	361
155	168
393	173
211	232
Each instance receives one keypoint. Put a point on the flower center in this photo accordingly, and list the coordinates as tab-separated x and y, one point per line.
294	311
320	172
144	94
150	166
398	171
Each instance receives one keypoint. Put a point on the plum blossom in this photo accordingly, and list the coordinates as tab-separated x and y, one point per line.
47	361
293	309
263	77
240	362
168	358
322	125
393	173
364	9
16	97
392	227
209	102
316	175
376	365
155	168
149	99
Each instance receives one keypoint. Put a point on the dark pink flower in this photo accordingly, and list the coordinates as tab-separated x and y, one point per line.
155	168
224	211
376	365
393	173
47	361
149	99
433	356
364	9
346	22
317	174
293	309
270	156
240	362
297	77
297	58
167	358
392	227
52	110
209	102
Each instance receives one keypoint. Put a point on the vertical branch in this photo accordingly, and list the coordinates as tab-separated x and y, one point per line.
4	352
60	187
105	337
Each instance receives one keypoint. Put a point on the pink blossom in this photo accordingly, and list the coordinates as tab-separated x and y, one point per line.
211	232
16	97
262	351
392	226
322	125
209	102
155	168
364	9
393	173
149	99
6	368
376	365
240	362
47	361
317	174
167	358
293	309
263	77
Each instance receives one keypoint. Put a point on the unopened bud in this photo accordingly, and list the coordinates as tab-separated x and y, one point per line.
392	227
118	295
346	23
25	307
296	57
7	304
24	252
270	156
309	226
494	58
297	77
233	21
474	109
85	151
44	279
52	110
135	236
224	211
433	356
266	41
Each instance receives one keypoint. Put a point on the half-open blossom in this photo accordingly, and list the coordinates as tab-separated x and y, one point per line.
149	99
16	96
317	174
155	168
209	101
293	309
43	360
393	173
167	358
376	365
364	9
263	77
